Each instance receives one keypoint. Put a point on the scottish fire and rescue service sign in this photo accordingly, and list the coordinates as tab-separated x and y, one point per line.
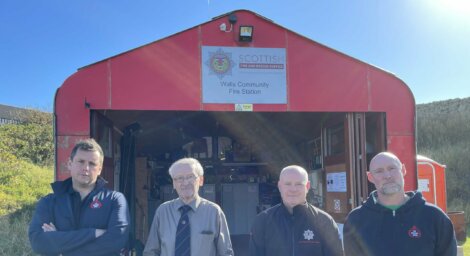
244	75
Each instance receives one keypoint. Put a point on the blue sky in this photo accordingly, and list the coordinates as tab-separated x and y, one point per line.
424	42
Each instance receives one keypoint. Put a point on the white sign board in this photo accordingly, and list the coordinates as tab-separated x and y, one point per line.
244	75
423	185
336	182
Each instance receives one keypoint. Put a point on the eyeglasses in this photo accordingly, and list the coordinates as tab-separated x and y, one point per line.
381	172
189	178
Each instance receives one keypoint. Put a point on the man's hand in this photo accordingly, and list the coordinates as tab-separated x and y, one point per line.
99	232
48	227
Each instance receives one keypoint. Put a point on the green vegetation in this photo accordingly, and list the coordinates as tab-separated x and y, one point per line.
444	135
31	141
21	183
14	232
466	247
26	157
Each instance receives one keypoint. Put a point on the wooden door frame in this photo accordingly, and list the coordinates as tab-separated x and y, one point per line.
98	120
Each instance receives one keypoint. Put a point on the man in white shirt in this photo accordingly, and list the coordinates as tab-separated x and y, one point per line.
204	221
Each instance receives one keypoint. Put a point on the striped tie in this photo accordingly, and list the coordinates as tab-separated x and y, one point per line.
183	233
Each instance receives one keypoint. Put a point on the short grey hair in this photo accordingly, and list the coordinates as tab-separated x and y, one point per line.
297	168
192	162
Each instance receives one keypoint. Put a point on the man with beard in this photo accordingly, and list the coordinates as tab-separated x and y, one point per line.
189	225
392	222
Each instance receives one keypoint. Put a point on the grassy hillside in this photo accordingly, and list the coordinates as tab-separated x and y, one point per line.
444	135
25	174
21	185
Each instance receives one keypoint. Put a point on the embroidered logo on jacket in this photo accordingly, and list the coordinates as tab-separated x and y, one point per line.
414	232
308	234
96	204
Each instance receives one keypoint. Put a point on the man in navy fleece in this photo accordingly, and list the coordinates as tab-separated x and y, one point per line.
392	222
81	216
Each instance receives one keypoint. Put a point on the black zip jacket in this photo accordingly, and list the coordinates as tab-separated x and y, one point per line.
416	228
308	231
75	235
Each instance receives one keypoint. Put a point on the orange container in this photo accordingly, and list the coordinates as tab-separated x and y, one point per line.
432	181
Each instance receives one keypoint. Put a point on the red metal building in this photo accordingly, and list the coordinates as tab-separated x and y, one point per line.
245	108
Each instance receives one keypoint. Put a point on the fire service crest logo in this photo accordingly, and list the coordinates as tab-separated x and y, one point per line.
308	234
414	232
220	63
96	204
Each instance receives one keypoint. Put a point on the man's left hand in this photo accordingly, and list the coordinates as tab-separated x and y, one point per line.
48	227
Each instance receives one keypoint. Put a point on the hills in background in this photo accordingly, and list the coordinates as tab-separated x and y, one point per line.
443	107
443	134
442	123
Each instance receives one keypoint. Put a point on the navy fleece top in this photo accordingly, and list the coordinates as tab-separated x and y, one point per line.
416	228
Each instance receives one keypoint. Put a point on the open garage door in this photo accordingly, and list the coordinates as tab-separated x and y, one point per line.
242	154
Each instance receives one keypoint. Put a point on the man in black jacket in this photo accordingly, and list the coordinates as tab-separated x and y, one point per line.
294	227
393	222
81	216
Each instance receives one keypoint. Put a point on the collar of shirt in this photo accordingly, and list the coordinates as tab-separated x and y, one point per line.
193	204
